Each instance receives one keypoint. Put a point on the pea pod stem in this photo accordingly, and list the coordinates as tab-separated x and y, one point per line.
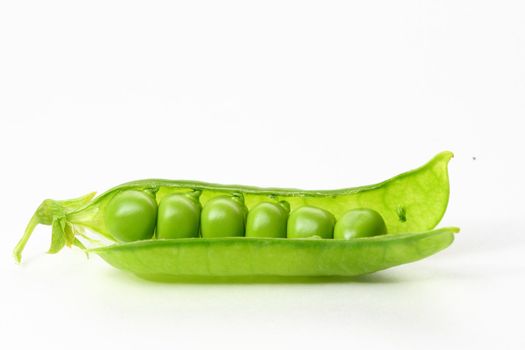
33	223
54	212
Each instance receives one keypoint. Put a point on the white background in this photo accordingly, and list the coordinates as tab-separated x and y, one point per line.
311	94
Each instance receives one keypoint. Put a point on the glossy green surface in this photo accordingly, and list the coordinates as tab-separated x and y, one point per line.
131	216
236	257
178	216
223	216
310	222
267	220
358	223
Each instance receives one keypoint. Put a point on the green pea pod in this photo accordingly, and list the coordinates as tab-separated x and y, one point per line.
411	204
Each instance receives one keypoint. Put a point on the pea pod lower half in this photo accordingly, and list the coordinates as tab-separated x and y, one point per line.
412	204
177	259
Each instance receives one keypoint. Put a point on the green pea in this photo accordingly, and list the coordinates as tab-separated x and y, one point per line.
179	216
360	223
268	219
307	222
131	215
223	216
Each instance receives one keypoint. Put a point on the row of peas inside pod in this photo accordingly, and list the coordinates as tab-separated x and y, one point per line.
134	215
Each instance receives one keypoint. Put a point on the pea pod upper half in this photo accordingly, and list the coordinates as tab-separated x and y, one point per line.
201	228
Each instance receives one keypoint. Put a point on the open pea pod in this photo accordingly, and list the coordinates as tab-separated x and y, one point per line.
412	204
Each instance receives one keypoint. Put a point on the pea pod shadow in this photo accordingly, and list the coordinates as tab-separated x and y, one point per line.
375	278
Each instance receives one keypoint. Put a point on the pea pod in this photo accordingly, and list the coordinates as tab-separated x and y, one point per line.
411	204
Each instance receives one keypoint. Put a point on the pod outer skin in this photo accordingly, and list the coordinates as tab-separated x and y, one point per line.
200	258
